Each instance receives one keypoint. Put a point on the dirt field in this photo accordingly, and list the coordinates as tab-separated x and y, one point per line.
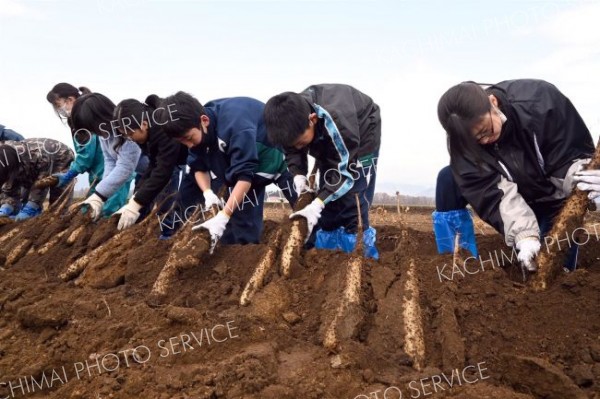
402	327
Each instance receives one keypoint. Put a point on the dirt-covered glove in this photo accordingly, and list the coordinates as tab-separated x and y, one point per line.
129	214
96	203
589	180
312	213
216	228
210	199
528	249
300	184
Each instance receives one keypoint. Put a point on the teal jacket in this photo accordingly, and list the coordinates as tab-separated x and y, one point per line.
89	159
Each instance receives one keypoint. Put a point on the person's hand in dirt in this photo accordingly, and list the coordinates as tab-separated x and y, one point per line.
312	213
65	178
130	213
589	180
215	226
210	199
95	203
528	249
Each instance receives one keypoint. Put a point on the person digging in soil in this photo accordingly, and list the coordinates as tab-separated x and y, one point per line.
92	116
167	159
226	139
515	150
341	128
22	163
11	135
451	216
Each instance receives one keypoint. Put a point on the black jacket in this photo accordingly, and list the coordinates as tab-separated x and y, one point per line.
527	168
357	123
164	153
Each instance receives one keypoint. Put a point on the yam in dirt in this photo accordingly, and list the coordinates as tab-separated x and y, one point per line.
566	223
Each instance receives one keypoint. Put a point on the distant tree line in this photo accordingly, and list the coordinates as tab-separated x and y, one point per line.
379	199
408	200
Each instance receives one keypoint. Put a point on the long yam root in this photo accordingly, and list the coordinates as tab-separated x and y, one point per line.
48	181
265	265
58	207
568	221
75	235
348	316
298	234
298	230
50	244
413	320
187	251
18	252
9	235
77	267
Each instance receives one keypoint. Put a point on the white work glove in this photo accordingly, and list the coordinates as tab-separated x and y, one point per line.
589	180
528	249
95	204
300	184
216	228
210	199
129	214
312	213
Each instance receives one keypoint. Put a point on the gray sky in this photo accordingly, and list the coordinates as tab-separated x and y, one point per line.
404	54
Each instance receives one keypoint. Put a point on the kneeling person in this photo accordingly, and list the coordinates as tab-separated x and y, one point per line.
228	146
341	128
21	165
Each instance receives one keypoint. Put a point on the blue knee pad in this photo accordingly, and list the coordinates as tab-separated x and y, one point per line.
447	224
338	239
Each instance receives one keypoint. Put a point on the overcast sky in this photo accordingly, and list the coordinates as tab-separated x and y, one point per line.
404	54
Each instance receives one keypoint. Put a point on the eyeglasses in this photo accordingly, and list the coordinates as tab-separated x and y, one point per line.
487	132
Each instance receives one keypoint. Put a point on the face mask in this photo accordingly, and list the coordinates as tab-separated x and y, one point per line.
500	114
64	112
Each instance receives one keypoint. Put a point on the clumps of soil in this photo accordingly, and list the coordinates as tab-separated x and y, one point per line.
534	345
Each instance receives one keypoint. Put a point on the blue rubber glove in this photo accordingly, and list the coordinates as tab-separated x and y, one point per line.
65	178
30	210
6	210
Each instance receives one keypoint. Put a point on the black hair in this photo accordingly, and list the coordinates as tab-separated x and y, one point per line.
131	113
459	109
286	118
93	113
64	91
178	113
153	101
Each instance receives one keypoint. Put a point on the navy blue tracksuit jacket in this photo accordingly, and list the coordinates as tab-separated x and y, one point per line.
236	149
